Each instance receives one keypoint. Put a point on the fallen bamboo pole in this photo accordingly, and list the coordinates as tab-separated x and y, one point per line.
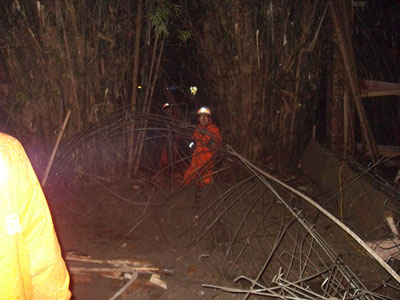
53	154
114	262
134	276
115	266
341	23
106	270
325	212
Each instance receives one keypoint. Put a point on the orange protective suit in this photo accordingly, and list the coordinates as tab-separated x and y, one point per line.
31	266
206	139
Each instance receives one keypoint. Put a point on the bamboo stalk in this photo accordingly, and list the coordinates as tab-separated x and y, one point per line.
107	270
346	117
115	266
114	262
147	106
339	223
75	33
72	77
133	102
60	134
295	100
365	94
136	54
336	12
134	276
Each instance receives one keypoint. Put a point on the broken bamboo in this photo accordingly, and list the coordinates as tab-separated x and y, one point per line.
116	266
60	134
363	244
339	20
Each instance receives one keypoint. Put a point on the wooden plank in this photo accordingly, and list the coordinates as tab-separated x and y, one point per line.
372	88
340	22
384	150
114	267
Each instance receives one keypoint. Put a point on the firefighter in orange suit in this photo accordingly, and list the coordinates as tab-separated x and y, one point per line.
31	266
206	139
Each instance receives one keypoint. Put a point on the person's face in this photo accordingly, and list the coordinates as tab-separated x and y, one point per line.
204	120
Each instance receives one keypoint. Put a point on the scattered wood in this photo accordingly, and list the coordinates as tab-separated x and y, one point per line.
371	88
338	222
390	221
155	279
113	272
384	150
340	20
113	268
388	248
132	278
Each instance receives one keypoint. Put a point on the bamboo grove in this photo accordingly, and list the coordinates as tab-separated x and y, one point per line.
266	65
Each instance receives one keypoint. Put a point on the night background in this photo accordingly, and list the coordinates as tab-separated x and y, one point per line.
83	84
272	72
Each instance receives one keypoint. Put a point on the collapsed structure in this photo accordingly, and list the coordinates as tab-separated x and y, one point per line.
262	235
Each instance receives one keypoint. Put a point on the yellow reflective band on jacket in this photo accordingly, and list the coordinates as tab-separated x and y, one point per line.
31	265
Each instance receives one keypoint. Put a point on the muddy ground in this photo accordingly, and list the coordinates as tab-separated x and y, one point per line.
114	221
96	223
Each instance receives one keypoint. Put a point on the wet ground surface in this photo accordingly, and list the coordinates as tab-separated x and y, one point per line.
153	231
95	224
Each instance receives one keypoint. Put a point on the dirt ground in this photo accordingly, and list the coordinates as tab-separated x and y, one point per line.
116	221
97	223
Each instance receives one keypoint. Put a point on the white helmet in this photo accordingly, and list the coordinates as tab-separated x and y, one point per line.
204	111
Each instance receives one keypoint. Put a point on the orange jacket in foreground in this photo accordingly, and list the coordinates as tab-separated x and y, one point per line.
31	266
202	165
